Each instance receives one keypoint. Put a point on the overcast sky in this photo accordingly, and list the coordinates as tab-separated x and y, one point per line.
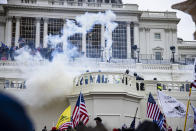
186	26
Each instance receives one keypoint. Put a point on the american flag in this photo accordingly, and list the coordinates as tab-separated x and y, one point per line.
153	110
162	122
154	113
65	126
193	84
80	113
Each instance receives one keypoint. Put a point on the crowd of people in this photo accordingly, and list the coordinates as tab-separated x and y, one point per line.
9	53
15	118
144	126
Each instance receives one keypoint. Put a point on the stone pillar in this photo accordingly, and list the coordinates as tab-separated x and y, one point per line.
64	24
45	32
136	34
128	41
149	46
102	41
17	33
84	43
37	35
8	36
102	36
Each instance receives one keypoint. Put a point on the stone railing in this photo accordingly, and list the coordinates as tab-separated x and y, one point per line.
156	67
104	82
121	65
171	86
12	84
189	42
119	82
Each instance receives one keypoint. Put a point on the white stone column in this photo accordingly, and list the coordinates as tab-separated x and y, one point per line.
45	32
149	46
37	35
64	24
8	36
136	34
84	43
17	33
128	40
102	36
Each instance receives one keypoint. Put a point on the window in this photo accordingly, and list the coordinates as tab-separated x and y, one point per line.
113	1
13	30
91	1
158	56
29	1
99	1
119	38
157	36
106	1
76	41
132	39
55	26
93	42
28	30
41	32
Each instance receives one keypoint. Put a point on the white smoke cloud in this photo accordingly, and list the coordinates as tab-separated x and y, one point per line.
54	79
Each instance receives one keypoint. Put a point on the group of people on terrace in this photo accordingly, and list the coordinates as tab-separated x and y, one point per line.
9	53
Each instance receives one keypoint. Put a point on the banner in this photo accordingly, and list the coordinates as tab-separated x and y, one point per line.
171	107
3	1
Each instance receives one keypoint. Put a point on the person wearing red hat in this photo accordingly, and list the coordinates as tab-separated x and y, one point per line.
54	129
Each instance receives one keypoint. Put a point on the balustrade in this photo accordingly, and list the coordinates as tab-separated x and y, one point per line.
110	79
17	84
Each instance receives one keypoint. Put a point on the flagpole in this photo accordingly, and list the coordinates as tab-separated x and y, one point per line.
188	103
187	109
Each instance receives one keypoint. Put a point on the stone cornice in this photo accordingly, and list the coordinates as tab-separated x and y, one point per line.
73	8
160	19
187	47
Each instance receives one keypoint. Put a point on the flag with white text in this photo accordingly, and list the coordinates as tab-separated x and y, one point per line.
171	107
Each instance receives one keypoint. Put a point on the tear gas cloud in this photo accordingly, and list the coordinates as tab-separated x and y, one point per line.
50	80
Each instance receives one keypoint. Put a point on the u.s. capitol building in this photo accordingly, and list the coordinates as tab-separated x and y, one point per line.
144	42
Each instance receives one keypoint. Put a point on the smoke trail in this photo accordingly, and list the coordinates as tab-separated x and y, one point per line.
54	79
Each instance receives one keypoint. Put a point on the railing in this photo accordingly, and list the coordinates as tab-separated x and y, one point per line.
83	4
109	81
13	84
120	65
171	86
102	78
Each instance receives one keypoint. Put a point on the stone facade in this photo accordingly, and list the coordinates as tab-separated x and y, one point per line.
152	32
